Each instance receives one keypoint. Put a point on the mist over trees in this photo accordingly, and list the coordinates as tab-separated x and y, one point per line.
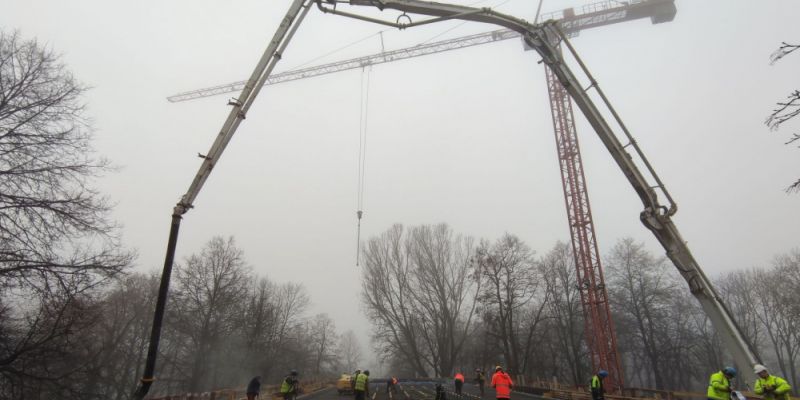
224	325
525	311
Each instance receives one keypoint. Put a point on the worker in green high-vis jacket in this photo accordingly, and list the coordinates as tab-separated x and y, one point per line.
719	384
771	387
596	387
362	385
289	386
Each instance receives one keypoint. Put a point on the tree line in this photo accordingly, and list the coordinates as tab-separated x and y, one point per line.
224	325
444	302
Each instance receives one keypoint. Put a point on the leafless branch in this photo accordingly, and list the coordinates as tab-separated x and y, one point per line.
794	188
782	51
784	111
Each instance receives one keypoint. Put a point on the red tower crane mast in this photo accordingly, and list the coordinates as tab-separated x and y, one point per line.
600	335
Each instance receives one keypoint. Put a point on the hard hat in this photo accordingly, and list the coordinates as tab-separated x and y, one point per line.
366	372
730	371
293	373
602	373
498	368
358	371
758	368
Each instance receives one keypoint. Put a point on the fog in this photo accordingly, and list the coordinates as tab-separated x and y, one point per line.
462	137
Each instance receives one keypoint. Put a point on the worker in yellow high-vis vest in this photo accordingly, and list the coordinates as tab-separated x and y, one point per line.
362	385
770	386
289	386
596	386
719	384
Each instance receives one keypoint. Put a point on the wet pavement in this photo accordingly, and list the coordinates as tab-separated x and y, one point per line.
417	390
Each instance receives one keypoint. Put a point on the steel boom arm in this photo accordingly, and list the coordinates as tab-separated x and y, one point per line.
288	26
545	39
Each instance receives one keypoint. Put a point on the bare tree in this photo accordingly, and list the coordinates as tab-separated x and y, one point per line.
57	241
778	310
787	267
419	290
258	326
52	222
116	343
386	293
740	291
787	109
565	310
640	289
510	284
206	304
37	347
350	351
322	338
444	293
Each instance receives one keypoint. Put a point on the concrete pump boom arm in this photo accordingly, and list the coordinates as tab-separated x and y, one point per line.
545	38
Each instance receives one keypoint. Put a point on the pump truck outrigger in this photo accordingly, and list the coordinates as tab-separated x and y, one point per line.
546	39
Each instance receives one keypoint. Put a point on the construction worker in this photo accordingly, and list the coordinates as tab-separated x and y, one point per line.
719	385
480	378
459	382
440	393
391	386
289	386
771	387
598	393
254	388
502	383
362	385
353	380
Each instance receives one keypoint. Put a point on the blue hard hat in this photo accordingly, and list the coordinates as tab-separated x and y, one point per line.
603	373
729	371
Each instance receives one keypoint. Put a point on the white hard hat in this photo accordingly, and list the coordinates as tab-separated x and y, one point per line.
758	368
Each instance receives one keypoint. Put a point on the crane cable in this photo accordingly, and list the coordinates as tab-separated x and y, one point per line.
362	152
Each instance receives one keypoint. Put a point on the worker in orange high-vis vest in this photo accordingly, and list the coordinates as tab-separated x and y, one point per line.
459	383
502	383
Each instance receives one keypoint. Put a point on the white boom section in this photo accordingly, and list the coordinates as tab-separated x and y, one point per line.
545	39
240	106
591	16
287	28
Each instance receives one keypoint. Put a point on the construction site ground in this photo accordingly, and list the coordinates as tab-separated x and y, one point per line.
426	390
407	390
416	390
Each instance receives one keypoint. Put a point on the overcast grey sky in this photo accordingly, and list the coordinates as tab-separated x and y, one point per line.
462	137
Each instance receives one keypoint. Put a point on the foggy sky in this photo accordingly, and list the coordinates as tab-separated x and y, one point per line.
462	137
